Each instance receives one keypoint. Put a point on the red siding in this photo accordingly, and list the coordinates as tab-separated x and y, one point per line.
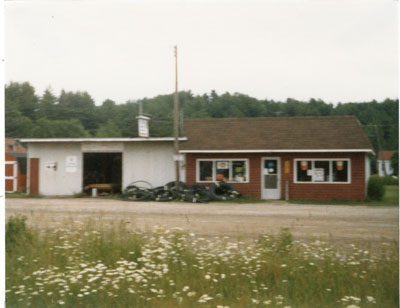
353	191
21	182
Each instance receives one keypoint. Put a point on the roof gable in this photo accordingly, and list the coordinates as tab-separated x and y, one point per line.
387	155
286	133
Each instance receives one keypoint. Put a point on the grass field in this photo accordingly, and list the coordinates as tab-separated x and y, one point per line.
84	265
391	196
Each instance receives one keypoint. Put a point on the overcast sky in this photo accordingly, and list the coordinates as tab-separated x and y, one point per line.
342	50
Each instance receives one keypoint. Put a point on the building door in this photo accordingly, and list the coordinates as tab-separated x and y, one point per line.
271	178
34	176
11	178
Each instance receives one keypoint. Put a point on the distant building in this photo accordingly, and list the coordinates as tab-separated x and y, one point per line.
15	166
383	163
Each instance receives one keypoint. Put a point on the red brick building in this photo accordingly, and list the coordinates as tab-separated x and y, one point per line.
15	166
320	158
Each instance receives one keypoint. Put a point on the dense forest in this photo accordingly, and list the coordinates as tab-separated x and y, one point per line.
75	114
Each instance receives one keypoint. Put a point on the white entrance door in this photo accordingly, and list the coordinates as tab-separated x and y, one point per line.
271	178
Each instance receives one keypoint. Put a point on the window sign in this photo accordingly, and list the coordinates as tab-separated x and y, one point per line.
222	165
304	165
71	163
319	175
287	166
270	166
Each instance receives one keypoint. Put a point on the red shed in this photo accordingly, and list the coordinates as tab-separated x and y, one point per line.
318	158
15	166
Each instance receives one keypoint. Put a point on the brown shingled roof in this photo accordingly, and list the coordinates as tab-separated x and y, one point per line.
14	147
286	133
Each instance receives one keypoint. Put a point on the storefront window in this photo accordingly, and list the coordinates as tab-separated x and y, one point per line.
304	171
340	171
322	171
206	170
212	170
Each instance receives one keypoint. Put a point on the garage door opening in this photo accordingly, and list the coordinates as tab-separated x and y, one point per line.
102	171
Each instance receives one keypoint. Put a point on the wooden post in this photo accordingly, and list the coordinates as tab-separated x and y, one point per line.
286	190
380	153
176	122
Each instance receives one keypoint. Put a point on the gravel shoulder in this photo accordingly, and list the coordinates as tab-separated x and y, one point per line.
333	222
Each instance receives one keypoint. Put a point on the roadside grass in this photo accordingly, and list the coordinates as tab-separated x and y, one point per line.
85	265
21	195
390	198
242	200
391	195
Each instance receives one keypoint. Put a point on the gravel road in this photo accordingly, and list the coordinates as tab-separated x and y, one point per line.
333	222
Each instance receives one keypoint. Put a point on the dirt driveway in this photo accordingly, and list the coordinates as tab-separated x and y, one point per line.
239	220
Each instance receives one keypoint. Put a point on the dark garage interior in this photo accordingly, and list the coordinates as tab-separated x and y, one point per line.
102	168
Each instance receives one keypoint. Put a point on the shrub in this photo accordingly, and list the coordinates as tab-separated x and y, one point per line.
389	180
17	234
375	188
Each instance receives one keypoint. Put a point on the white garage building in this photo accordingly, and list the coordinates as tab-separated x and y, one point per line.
65	166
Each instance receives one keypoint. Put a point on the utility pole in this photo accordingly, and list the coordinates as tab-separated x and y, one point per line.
176	122
380	151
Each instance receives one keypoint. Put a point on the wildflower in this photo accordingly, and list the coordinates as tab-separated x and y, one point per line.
185	288
283	265
204	298
255	301
371	299
207	277
267	302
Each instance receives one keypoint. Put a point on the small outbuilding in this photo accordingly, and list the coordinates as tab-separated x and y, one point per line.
320	158
15	166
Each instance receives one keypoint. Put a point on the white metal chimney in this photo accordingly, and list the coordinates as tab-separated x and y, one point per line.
143	126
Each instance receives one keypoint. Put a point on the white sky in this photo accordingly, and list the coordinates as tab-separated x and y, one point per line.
342	50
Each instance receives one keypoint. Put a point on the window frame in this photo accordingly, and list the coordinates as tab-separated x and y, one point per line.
331	160
214	169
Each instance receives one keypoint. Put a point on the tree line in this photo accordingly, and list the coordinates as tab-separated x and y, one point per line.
75	114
